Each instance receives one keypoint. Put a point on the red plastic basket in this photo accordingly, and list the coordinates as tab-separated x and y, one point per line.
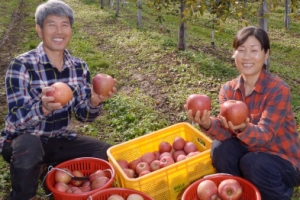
124	192
87	165
250	192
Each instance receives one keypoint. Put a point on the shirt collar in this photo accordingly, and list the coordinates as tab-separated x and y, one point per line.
259	85
43	58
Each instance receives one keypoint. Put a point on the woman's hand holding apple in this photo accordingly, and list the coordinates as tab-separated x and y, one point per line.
228	124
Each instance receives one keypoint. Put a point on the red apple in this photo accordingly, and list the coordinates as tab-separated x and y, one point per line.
165	154
177	153
144	173
61	176
192	154
99	182
62	93
148	157
129	172
197	102
178	143
142	166
60	186
156	154
154	165
103	84
234	111
115	197
164	147
74	190
132	165
207	190
134	197
166	161
77	174
181	157
190	147
230	189
96	174
86	186
122	163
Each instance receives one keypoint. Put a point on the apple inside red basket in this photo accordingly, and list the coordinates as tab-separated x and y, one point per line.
197	102
207	190
230	189
234	111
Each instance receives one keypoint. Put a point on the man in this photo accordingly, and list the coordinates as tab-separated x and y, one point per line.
37	130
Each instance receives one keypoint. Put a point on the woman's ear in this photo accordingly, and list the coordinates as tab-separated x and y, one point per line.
267	54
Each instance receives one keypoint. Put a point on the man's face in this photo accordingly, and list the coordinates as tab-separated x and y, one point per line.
55	33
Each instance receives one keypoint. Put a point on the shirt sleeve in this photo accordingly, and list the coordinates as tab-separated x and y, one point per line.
23	110
83	109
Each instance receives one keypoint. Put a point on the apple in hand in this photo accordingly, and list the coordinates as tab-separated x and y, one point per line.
230	189
207	190
234	111
197	102
103	84
61	92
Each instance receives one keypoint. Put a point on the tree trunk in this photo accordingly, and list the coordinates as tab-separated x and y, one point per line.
287	14
263	23
182	29
139	15
102	4
117	7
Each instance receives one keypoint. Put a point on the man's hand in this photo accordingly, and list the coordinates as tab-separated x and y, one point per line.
96	99
47	101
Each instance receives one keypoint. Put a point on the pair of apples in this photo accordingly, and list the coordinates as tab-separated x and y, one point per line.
228	189
233	110
62	93
65	183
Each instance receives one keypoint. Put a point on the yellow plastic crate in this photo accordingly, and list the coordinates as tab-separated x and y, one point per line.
167	183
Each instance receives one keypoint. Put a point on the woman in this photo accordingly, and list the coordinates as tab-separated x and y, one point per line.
265	148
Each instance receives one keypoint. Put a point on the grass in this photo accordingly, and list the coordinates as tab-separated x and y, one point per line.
154	78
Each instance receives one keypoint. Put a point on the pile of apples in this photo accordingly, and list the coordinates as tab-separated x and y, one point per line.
65	183
167	154
228	189
129	197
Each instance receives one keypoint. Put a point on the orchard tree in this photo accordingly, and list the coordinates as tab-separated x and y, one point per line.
221	9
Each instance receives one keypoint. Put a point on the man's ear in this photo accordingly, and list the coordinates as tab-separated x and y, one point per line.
38	30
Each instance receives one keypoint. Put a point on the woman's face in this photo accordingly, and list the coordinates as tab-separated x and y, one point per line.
250	57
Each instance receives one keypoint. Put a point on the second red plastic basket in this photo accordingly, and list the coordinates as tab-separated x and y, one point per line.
123	192
250	192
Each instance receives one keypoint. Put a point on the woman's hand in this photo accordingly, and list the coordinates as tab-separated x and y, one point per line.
228	124
204	121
